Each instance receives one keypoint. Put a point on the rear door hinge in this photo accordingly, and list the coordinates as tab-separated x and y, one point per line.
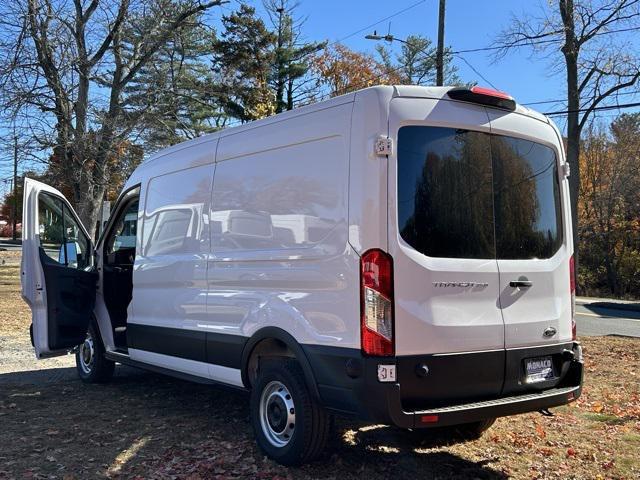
384	145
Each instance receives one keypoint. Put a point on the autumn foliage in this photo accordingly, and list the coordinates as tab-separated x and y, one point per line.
609	209
342	70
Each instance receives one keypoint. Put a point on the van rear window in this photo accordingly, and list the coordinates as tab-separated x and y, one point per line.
466	194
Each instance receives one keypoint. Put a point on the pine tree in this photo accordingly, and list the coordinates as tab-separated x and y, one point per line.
292	56
177	90
416	62
242	61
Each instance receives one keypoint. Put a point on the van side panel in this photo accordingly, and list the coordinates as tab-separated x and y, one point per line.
280	254
169	276
368	171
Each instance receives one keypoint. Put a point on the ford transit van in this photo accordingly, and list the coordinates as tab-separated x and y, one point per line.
401	255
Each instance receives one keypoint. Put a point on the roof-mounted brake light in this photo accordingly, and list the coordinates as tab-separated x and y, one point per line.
484	96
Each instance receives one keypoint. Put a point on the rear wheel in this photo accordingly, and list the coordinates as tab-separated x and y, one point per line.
289	425
91	364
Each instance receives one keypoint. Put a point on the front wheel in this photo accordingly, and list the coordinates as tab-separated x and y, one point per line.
289	425
91	364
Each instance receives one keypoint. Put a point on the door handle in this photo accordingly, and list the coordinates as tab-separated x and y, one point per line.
520	284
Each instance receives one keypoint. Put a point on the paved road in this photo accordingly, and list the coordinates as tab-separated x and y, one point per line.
597	320
9	246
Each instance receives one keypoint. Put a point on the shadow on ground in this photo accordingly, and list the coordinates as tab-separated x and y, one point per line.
617	310
154	426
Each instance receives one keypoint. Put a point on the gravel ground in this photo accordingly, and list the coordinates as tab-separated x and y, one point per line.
143	425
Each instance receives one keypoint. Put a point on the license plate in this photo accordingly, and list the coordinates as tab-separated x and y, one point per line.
386	373
539	369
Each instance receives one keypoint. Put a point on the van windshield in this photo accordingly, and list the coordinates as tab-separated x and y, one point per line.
465	194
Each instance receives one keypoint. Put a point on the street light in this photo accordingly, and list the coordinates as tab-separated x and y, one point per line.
390	38
386	38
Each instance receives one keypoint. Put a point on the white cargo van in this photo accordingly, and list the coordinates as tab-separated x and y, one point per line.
401	254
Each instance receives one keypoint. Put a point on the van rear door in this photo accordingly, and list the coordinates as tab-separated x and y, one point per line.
58	279
533	231
441	237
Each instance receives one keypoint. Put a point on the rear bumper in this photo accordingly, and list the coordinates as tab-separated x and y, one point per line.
472	412
348	384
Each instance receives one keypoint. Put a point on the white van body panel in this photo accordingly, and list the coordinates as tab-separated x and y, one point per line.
368	171
429	317
547	303
218	373
170	269
280	254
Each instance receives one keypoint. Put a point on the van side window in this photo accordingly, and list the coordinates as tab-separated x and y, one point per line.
61	237
445	200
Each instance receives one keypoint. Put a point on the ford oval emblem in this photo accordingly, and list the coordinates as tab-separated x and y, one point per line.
549	332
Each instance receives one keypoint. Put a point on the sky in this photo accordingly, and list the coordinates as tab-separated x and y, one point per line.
468	24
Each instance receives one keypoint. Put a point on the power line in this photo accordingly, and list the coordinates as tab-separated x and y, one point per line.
542	102
525	43
476	71
604	107
399	12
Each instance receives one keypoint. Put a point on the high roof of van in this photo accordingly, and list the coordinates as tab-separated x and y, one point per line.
383	91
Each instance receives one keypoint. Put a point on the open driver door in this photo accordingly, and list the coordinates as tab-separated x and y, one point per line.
57	272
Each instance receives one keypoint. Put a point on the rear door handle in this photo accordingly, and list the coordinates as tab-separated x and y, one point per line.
520	284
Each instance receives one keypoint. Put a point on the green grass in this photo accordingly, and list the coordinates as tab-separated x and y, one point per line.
603	417
631	437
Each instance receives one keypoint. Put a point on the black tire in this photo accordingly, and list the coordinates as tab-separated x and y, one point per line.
306	440
96	369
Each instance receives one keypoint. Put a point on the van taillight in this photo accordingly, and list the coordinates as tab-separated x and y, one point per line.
483	96
572	285
376	297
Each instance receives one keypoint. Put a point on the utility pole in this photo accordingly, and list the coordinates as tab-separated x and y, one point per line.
440	48
15	187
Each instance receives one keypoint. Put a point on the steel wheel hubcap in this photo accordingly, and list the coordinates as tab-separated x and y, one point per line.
87	353
277	414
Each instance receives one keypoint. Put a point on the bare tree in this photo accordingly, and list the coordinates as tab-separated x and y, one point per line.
589	40
65	65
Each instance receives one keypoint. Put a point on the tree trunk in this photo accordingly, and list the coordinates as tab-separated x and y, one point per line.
89	206
570	49
573	157
290	94
612	276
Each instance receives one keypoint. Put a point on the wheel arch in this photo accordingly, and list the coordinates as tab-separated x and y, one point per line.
268	334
